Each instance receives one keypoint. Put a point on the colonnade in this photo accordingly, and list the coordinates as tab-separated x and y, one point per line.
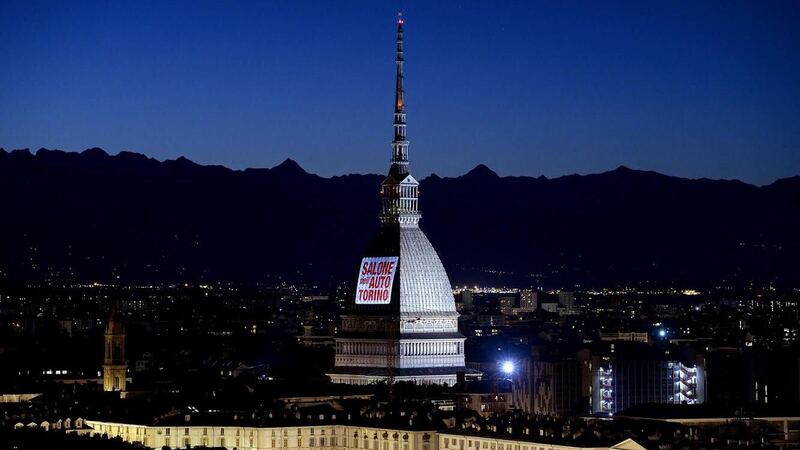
413	348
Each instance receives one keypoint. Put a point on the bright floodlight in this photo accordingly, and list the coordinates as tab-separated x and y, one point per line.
662	332
508	367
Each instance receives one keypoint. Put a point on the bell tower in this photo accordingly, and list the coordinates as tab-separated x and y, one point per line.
114	364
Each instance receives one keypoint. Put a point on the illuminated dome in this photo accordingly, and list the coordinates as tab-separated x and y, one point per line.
424	286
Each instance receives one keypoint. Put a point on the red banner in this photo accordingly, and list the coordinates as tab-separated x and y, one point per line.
375	280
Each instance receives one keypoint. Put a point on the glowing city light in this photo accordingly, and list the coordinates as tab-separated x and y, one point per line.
507	367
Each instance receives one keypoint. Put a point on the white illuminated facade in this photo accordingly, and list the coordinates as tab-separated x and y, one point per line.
414	336
325	436
304	437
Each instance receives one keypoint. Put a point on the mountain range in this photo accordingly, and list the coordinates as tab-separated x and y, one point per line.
127	218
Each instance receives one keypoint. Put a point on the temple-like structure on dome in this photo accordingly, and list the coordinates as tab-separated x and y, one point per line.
402	324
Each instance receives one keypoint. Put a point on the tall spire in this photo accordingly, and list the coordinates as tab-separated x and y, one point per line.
399	190
399	105
399	143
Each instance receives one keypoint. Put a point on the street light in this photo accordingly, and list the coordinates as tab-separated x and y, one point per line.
507	367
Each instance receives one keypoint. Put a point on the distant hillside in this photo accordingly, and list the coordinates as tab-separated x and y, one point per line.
91	216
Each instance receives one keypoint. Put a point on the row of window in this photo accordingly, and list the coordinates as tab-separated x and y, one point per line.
453	443
332	441
316	438
204	442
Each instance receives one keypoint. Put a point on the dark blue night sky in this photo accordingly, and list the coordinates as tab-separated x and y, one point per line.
696	89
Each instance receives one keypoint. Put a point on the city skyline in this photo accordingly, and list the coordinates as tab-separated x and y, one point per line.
705	90
151	302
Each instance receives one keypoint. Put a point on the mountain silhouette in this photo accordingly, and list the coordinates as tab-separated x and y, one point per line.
92	216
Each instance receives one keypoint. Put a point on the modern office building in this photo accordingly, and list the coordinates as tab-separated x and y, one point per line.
618	384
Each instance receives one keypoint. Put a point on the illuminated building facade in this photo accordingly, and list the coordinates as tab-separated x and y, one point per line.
187	434
402	324
528	300
619	384
326	436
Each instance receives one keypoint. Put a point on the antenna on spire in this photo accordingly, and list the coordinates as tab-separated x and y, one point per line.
399	101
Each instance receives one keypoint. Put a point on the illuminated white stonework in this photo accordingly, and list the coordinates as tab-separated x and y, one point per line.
415	337
425	289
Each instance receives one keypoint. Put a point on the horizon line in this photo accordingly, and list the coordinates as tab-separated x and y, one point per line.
290	160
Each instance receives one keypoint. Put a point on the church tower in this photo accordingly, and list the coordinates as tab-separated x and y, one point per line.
114	364
402	323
